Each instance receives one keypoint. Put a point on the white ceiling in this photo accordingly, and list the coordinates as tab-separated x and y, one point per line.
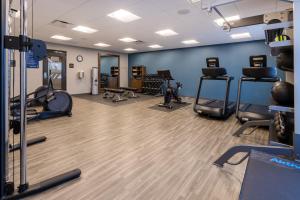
155	14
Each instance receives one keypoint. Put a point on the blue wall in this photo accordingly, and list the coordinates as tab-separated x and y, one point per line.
107	62
185	65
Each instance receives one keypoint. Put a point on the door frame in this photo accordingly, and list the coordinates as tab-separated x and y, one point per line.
64	69
99	67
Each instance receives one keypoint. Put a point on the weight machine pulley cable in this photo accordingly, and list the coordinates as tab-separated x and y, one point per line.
24	45
12	73
11	84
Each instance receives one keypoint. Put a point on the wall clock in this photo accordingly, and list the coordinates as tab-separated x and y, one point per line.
79	58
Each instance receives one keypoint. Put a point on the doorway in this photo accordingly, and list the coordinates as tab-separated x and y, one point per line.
54	67
109	71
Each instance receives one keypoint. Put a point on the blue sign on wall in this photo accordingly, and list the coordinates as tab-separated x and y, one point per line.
31	61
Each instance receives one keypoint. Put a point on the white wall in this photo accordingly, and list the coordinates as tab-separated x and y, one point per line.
124	70
74	84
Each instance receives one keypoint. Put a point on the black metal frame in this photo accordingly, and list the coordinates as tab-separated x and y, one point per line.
3	85
228	80
7	190
250	123
250	79
274	150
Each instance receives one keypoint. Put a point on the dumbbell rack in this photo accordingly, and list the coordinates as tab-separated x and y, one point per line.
277	124
273	139
152	84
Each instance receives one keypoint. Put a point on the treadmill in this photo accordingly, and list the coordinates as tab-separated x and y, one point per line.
212	107
252	115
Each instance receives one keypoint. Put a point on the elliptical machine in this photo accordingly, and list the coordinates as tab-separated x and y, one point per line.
169	92
55	103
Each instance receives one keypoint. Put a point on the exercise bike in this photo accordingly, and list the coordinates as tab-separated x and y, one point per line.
169	92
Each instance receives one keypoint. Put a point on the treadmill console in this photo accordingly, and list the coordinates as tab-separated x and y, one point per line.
212	62
258	68
213	68
258	61
165	74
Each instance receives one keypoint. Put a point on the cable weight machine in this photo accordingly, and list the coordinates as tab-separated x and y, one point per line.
23	44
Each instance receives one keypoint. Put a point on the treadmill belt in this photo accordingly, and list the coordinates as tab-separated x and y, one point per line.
270	177
259	109
216	104
212	103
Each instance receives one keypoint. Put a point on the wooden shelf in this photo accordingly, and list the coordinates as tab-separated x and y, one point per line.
114	71
283	25
138	71
137	76
285	43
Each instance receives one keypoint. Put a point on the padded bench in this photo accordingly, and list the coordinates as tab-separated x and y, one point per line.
114	94
130	92
270	177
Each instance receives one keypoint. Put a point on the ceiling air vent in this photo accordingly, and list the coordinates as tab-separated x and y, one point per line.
60	23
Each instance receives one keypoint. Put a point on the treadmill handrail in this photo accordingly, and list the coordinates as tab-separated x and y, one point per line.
266	79
250	79
281	108
218	77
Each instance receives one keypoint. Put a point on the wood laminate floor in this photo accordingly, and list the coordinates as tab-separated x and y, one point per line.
132	152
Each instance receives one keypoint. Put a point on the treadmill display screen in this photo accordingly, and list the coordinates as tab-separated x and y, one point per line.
212	62
258	61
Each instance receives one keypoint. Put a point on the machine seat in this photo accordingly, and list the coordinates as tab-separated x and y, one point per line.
113	90
270	177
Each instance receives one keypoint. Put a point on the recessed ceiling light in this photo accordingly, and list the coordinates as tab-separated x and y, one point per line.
190	42
221	21
240	35
155	46
124	16
166	32
100	44
194	1
130	49
84	29
60	37
128	39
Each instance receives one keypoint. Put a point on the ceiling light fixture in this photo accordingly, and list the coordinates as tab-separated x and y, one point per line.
166	32
240	35
124	16
127	39
60	37
190	42
84	29
221	21
100	44
155	46
193	1
130	49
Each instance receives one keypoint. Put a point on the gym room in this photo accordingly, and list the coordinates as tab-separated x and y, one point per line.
150	100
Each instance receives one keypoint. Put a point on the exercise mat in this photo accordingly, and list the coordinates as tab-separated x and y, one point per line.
175	106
